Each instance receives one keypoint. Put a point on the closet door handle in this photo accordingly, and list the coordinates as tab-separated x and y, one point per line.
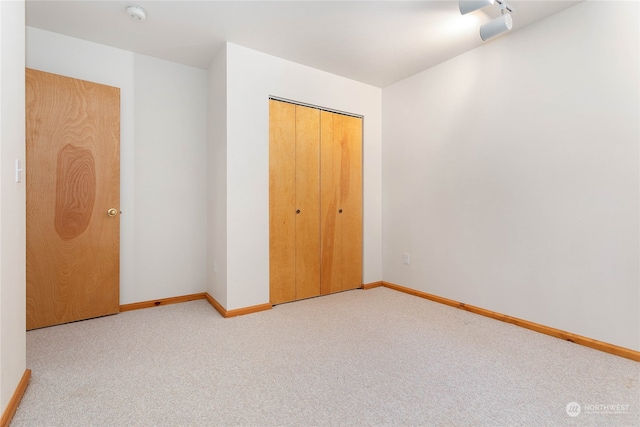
298	211
340	211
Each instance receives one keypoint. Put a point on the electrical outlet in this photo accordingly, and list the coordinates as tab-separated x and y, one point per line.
405	258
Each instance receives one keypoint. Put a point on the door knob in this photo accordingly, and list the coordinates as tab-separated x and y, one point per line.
340	211
298	211
112	212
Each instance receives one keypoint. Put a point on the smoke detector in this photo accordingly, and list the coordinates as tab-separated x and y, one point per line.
136	13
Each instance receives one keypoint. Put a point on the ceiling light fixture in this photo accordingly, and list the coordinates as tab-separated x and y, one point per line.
495	27
136	13
498	26
467	6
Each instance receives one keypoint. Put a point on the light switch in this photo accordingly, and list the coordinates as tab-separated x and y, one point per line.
18	171
405	258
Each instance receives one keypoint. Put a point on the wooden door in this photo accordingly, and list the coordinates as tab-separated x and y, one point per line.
282	202
294	202
341	202
72	181
315	202
307	202
351	201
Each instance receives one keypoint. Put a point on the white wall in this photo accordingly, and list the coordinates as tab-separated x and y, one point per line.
170	179
12	201
251	78
511	175
163	160
217	180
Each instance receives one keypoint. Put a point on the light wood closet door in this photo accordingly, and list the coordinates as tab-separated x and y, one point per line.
315	202
294	202
341	202
307	202
282	202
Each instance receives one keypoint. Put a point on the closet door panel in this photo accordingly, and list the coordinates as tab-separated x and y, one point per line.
315	202
282	200
307	183
351	201
330	171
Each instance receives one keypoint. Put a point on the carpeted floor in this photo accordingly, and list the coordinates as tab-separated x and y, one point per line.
376	357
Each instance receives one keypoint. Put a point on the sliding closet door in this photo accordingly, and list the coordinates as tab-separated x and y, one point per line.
307	202
341	202
282	202
351	200
315	202
294	198
330	170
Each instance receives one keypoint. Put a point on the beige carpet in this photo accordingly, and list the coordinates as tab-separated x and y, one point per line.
375	357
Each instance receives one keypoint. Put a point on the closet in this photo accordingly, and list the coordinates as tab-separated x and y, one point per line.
315	202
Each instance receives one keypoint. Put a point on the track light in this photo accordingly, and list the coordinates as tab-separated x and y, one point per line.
467	6
497	26
492	28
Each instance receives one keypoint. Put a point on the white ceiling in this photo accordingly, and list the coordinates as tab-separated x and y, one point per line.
375	42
